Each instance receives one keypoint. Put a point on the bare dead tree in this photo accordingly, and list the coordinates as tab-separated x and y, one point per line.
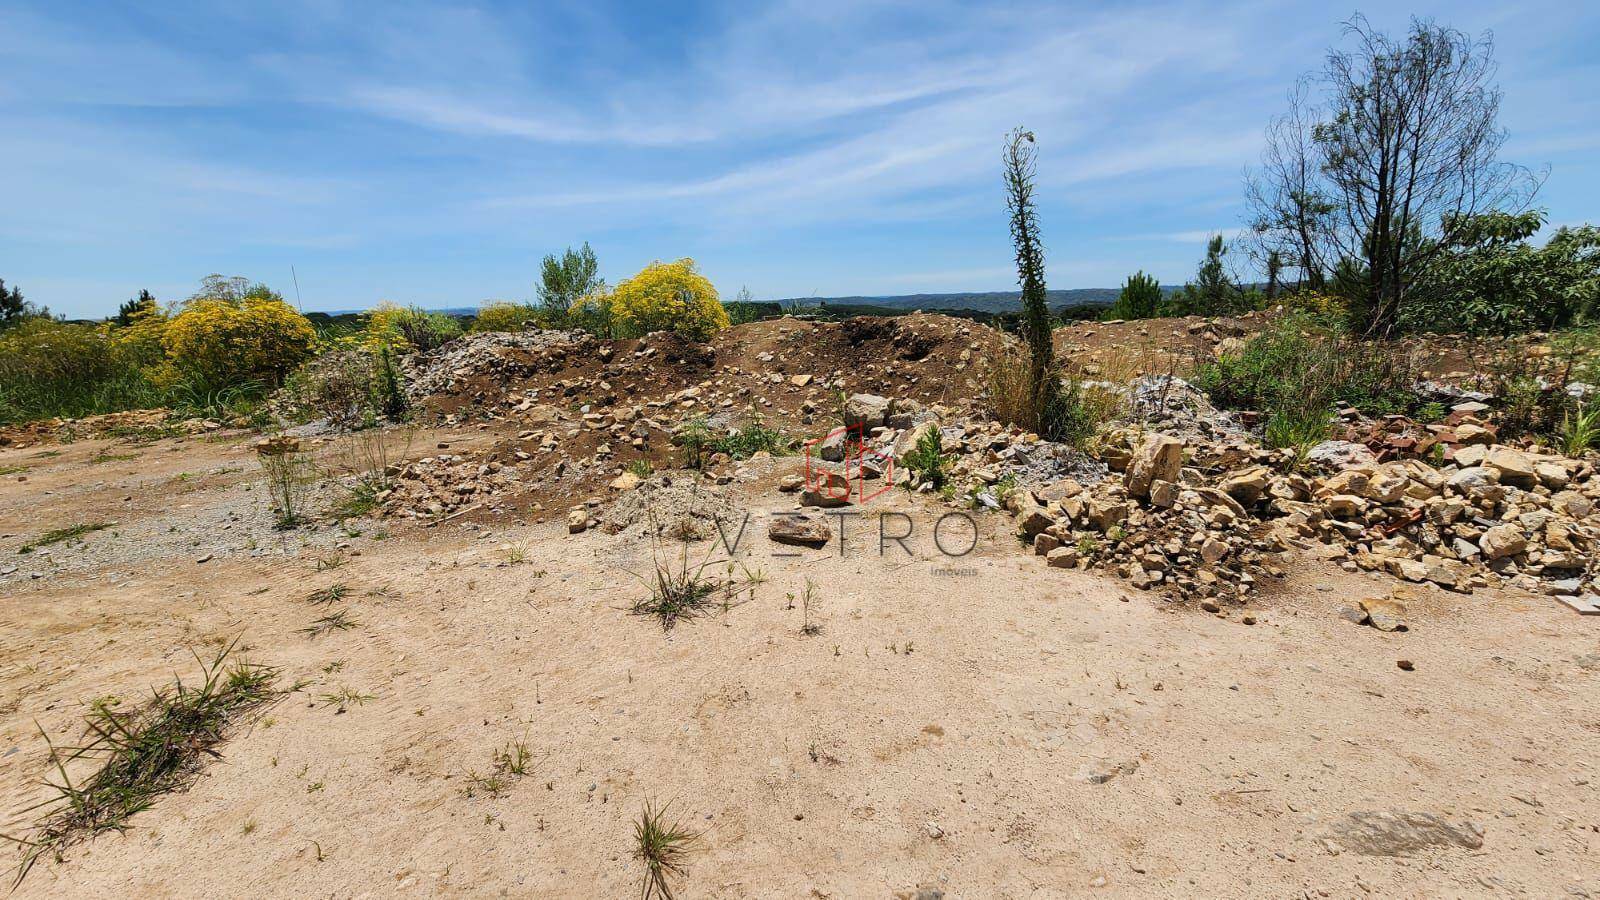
1291	214
1409	148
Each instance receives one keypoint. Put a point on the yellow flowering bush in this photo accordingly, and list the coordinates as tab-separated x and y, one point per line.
227	341
667	296
503	315
142	340
1326	306
592	313
405	328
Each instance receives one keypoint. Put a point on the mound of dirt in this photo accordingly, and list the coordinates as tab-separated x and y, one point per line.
675	507
495	354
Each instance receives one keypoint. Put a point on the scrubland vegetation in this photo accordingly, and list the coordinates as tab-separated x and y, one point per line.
1342	281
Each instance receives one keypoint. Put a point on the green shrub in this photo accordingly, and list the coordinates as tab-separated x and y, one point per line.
751	439
225	336
926	461
339	386
50	369
501	315
1296	369
1494	280
1528	388
409	328
693	437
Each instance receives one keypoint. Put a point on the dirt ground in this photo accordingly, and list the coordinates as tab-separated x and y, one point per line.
978	726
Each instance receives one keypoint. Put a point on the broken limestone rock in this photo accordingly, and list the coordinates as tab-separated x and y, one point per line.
1337	456
1501	541
1385	613
1158	457
867	410
827	489
1033	518
799	529
1514	466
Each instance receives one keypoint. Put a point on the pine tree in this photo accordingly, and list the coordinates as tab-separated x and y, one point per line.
12	307
1213	292
128	311
1140	298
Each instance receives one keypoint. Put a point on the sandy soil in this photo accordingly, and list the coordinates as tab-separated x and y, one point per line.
973	727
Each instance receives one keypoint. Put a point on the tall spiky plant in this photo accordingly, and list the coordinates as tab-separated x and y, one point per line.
1020	168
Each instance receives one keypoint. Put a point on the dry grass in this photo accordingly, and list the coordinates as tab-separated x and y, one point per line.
333	593
1073	414
144	753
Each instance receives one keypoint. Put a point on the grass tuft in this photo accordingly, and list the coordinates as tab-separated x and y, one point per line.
339	621
344	698
677	593
510	762
333	593
72	532
1579	430
144	753
663	847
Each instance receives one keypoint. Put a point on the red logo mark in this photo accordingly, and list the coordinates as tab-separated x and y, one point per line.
857	463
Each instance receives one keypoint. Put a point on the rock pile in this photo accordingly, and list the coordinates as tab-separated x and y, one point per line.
495	354
1495	515
1162	526
437	487
678	507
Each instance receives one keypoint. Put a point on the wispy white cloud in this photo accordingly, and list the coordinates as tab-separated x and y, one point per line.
790	144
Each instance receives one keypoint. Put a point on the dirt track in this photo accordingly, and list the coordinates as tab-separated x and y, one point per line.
983	726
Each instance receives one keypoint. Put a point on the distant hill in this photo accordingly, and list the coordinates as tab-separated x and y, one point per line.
991	302
980	301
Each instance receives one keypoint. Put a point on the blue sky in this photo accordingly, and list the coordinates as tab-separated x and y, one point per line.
431	154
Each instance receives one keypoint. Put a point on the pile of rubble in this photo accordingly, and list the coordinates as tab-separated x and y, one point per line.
439	487
491	354
1206	513
678	507
1162	526
1493	515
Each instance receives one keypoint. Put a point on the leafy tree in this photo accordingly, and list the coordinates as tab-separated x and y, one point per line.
566	279
142	305
1141	298
1493	279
